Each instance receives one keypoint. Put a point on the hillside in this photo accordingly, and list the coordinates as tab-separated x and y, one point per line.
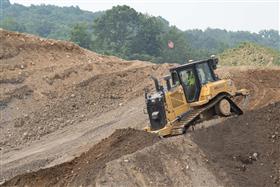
250	54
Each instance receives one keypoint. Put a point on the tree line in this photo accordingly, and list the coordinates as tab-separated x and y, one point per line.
124	32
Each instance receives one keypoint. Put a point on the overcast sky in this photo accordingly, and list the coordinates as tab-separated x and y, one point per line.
250	15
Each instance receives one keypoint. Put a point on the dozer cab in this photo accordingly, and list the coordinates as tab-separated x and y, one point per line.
193	93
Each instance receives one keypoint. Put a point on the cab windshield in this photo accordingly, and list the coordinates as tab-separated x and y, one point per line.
204	73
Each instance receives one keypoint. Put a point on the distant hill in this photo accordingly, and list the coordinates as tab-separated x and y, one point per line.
44	20
214	41
250	54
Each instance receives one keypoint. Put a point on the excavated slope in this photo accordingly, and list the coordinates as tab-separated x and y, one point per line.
49	85
84	169
241	151
245	151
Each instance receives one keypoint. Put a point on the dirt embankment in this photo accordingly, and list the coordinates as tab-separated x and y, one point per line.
241	151
47	85
244	151
263	83
84	169
129	158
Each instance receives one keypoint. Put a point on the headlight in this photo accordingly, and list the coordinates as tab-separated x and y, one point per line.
155	115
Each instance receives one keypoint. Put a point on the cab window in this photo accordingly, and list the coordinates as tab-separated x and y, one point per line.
187	77
189	84
204	73
175	79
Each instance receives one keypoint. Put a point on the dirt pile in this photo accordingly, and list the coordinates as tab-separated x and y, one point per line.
129	158
175	161
83	170
47	85
263	83
245	151
250	54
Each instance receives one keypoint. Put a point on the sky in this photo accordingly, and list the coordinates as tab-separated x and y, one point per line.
248	15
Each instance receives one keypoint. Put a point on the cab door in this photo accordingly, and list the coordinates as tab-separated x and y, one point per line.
190	83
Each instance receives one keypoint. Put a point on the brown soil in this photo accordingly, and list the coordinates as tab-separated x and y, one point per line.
83	170
246	148
57	100
263	83
47	85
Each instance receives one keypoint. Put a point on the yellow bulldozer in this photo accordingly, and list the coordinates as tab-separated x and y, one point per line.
193	93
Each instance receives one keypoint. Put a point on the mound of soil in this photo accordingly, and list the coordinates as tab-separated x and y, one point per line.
250	54
263	84
84	169
245	150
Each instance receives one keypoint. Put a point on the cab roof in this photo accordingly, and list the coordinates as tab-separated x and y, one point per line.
213	61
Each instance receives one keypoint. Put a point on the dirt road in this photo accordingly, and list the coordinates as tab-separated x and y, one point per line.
69	142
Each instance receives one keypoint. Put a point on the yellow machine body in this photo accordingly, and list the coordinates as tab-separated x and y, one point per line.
176	104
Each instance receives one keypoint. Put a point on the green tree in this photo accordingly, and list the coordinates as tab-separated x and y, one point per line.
115	29
4	3
147	40
80	35
44	28
180	52
11	24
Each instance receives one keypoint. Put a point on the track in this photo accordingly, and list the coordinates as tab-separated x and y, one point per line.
188	119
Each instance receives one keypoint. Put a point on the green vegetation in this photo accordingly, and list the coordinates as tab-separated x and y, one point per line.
123	32
251	55
214	41
80	35
44	20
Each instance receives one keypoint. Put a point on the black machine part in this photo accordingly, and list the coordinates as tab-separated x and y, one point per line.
156	110
167	80
157	86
